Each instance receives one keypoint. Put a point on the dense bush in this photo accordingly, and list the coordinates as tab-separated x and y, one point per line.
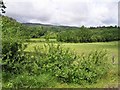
12	44
68	67
89	68
55	60
12	54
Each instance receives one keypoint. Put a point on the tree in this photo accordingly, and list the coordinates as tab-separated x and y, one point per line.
2	7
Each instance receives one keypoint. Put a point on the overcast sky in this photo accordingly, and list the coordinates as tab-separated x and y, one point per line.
64	12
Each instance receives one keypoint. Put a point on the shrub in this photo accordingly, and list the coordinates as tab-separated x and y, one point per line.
12	54
12	45
54	59
70	68
90	68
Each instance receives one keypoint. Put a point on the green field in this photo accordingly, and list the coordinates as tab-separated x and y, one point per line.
79	48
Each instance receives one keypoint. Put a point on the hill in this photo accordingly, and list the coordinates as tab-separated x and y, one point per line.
61	33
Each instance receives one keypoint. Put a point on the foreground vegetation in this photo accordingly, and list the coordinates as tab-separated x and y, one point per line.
52	59
51	64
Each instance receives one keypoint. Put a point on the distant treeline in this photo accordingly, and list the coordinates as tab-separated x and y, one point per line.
75	34
61	33
89	35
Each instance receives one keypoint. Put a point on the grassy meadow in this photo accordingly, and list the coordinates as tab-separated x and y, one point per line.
79	48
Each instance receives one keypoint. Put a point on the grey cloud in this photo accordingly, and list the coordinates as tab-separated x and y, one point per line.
25	11
64	12
110	21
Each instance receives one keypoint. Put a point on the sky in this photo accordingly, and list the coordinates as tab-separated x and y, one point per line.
64	12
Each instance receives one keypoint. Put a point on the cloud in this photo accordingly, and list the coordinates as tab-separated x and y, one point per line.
64	12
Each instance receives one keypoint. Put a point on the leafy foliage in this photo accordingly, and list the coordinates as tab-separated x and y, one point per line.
68	67
89	35
90	68
12	44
